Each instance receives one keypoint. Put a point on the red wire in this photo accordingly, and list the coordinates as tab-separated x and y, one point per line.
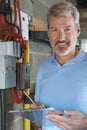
11	34
18	39
16	99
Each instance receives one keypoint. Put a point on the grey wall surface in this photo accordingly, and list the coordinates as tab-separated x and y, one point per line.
34	8
38	51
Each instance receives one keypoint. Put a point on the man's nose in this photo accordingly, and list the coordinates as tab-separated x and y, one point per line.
61	36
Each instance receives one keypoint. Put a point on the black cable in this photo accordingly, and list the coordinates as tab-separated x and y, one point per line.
3	109
14	25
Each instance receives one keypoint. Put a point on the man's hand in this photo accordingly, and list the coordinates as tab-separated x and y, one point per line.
37	105
74	121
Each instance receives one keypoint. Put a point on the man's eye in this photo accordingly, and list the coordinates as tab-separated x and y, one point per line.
54	30
68	29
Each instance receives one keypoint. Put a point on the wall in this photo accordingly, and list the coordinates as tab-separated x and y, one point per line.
83	22
34	8
38	51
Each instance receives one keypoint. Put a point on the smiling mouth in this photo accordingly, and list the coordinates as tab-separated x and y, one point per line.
61	43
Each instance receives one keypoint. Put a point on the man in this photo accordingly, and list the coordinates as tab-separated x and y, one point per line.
62	78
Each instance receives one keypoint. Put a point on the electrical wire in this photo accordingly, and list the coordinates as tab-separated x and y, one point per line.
17	95
8	32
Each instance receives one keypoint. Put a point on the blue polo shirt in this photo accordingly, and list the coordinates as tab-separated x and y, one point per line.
62	87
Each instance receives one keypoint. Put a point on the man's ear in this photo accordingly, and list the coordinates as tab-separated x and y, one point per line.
78	30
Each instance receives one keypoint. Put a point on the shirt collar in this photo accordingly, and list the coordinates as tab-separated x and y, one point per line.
81	56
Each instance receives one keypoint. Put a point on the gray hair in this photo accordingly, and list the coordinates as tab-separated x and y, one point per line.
63	9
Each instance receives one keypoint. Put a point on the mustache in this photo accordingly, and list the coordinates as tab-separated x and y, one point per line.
64	41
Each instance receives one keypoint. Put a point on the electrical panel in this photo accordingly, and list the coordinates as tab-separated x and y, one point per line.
9	51
7	72
10	48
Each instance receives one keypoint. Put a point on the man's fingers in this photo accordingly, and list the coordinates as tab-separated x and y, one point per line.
72	112
55	112
53	116
36	105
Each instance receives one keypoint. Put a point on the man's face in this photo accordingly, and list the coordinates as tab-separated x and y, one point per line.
63	34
